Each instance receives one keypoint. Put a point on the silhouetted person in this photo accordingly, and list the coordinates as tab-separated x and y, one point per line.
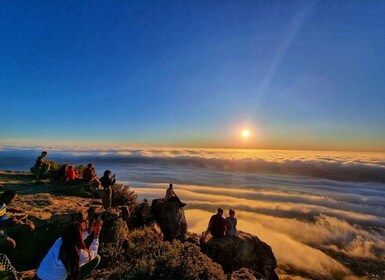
69	255
217	224
231	224
107	183
171	196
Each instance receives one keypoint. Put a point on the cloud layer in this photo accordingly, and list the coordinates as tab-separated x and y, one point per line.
307	205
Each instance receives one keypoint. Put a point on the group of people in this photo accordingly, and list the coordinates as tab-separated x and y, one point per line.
69	255
68	174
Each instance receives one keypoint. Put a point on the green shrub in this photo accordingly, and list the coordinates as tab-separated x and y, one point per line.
149	258
122	195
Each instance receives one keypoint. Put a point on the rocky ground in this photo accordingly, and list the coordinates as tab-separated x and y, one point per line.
52	205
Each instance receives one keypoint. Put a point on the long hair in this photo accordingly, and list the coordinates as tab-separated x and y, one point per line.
72	243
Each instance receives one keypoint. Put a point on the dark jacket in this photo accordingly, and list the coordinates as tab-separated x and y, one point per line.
107	181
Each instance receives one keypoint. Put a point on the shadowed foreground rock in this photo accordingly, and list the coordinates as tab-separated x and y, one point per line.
242	251
167	214
246	274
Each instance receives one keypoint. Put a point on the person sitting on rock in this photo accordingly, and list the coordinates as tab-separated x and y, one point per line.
14	227
69	255
89	174
171	196
41	167
231	224
71	176
217	224
107	183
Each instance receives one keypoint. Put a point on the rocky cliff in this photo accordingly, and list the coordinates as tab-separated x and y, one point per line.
125	247
242	251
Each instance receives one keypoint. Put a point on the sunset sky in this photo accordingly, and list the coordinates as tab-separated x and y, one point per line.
296	74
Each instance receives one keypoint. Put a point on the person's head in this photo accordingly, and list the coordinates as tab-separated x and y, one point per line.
107	173
170	186
220	211
70	167
72	243
44	154
90	165
231	213
8	196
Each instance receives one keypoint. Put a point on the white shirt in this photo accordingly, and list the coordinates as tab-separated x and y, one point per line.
52	268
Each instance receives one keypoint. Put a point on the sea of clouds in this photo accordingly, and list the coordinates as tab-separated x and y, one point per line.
307	205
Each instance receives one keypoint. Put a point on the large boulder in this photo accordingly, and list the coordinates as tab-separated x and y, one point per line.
242	251
168	214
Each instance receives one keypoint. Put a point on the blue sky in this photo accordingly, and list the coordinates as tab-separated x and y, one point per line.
297	74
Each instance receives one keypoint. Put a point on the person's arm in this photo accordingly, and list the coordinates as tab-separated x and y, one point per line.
95	243
84	257
209	226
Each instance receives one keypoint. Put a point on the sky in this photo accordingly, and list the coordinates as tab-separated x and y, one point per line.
296	74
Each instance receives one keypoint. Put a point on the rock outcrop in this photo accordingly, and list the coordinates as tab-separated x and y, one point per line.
52	207
50	215
242	251
169	216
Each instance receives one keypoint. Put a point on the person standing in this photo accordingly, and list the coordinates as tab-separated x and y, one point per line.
107	182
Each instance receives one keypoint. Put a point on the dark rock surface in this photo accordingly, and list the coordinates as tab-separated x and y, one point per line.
242	251
246	274
167	214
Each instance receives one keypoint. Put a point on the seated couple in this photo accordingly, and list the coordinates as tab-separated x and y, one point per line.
220	227
89	175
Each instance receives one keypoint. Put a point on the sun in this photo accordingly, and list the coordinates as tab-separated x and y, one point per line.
245	133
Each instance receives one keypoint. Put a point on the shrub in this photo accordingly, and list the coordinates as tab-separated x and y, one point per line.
142	214
122	195
55	167
149	258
